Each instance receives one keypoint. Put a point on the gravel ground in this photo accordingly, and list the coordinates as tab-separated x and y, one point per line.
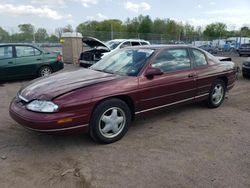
188	146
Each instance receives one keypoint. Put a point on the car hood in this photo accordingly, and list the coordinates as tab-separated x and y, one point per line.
93	42
58	84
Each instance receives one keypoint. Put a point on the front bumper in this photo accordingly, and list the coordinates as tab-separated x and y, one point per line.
47	122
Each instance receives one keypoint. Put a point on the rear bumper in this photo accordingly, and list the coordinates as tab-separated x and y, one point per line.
86	64
57	66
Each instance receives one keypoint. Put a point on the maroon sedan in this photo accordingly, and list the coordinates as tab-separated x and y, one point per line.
103	99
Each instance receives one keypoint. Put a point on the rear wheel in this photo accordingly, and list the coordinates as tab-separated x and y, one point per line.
45	71
110	121
217	94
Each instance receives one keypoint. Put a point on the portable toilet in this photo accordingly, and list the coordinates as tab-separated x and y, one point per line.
71	47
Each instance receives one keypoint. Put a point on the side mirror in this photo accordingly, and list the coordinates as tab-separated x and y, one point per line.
151	72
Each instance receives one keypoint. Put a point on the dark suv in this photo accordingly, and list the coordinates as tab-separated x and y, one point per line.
244	49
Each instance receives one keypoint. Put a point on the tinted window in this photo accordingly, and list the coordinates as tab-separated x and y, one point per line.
125	44
5	52
199	58
135	44
173	60
144	43
25	51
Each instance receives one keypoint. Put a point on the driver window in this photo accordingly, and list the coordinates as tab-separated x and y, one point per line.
172	60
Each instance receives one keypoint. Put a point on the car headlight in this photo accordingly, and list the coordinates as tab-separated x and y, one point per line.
42	106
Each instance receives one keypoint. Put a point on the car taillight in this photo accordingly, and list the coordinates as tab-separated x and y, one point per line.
59	57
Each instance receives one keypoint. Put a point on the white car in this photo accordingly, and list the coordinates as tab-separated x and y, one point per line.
98	49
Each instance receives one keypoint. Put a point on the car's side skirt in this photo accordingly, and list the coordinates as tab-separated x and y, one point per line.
171	104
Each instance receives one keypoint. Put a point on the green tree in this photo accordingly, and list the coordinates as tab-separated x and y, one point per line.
58	32
146	24
26	33
4	35
68	28
245	32
216	30
53	38
41	35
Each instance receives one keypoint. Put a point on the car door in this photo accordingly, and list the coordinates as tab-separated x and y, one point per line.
176	85
7	62
28	60
205	72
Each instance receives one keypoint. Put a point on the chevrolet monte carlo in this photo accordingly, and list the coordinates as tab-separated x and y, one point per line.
103	99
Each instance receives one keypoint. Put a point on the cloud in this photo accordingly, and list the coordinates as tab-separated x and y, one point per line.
43	11
199	6
238	12
101	16
87	3
212	3
136	7
49	3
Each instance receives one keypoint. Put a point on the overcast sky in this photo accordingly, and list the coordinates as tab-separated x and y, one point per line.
58	13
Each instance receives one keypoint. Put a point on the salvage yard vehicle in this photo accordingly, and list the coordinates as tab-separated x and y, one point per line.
26	60
104	99
209	49
246	68
244	49
98	49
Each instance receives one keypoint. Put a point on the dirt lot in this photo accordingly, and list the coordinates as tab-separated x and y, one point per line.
190	146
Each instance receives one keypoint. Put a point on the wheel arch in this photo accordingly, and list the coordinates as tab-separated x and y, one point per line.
224	79
125	98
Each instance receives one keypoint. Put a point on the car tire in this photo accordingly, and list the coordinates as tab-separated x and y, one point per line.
110	121
45	71
240	55
216	94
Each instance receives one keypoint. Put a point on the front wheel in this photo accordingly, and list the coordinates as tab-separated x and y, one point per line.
110	121
217	94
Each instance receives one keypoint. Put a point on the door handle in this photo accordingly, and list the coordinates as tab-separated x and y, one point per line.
38	59
10	62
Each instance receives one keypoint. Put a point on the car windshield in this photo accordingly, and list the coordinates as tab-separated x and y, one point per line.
124	62
113	44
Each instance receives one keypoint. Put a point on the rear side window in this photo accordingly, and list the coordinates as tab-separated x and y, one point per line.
173	60
135	43
125	44
144	43
26	51
6	52
199	58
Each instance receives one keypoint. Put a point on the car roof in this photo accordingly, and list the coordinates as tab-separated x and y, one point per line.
17	44
122	40
162	46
